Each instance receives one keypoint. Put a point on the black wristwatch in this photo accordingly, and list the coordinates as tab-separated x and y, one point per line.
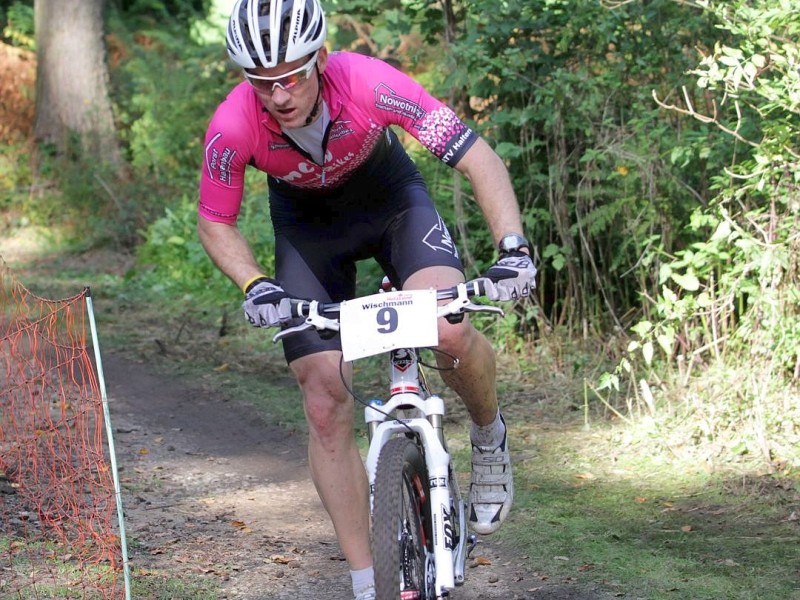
513	242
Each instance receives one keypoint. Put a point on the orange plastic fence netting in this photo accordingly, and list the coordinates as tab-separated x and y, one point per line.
58	537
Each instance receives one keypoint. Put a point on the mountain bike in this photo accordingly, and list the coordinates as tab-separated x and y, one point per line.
419	530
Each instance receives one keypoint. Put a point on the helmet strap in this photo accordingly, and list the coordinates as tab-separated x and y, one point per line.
315	109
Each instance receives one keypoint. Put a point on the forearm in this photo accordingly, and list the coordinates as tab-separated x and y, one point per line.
229	251
493	191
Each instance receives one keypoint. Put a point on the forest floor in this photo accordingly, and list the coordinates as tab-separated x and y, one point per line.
214	491
218	502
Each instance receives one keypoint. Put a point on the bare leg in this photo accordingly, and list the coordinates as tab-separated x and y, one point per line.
336	467
475	378
491	490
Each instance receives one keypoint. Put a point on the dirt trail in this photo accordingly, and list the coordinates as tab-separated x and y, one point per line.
211	489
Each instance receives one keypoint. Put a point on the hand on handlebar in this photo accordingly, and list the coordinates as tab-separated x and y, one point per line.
512	277
267	304
324	316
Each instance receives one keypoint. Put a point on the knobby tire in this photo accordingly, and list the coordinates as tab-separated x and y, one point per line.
401	523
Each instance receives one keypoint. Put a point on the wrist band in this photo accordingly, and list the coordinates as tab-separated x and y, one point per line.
251	281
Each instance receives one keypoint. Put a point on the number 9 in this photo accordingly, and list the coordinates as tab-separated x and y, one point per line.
387	320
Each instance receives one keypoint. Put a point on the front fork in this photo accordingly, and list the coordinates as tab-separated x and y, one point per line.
451	544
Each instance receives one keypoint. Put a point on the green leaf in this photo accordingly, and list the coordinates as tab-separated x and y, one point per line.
647	352
723	231
688	282
551	250
608	381
508	150
666	340
664	273
642	328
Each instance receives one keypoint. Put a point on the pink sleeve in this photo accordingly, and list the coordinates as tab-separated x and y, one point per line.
399	100
226	153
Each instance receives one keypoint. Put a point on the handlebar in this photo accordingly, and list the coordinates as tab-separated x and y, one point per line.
459	295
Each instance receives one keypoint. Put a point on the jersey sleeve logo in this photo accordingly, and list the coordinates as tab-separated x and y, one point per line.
218	161
387	99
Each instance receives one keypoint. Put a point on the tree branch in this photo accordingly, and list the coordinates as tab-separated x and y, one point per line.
707	119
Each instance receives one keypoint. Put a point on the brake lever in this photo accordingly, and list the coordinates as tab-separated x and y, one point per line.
291	331
472	307
462	304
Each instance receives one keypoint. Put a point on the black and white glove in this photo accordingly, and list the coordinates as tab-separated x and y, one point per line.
513	276
266	303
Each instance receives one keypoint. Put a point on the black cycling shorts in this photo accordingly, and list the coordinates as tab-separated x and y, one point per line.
383	212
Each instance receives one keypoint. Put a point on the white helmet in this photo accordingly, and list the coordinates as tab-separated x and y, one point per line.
266	33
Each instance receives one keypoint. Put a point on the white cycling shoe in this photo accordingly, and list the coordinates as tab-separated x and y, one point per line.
491	489
368	593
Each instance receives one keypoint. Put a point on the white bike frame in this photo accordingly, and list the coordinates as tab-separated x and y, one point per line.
411	409
386	421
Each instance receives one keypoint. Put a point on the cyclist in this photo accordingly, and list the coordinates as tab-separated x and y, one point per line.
342	189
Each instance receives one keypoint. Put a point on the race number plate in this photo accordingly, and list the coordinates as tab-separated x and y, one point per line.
382	322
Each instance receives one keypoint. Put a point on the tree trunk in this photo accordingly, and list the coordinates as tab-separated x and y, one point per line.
72	102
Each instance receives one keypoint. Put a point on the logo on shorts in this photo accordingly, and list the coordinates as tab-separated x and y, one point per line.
439	238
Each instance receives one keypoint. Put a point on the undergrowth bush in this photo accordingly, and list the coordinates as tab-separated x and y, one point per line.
724	342
171	259
166	86
15	178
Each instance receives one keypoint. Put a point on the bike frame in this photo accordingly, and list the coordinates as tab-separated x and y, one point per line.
413	412
388	420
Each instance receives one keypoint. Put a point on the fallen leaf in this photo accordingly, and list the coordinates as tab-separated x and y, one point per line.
241	526
729	562
686	528
640	499
586	475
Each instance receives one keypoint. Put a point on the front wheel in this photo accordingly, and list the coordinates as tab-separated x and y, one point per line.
401	524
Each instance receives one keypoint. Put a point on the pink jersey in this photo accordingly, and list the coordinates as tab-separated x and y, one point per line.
364	96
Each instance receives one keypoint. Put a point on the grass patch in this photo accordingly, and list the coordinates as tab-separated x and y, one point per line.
591	512
47	569
158	586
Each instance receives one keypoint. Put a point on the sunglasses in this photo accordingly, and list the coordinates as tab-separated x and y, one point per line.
266	85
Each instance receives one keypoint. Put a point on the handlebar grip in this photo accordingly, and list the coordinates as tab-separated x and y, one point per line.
302	308
474	287
299	308
479	286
